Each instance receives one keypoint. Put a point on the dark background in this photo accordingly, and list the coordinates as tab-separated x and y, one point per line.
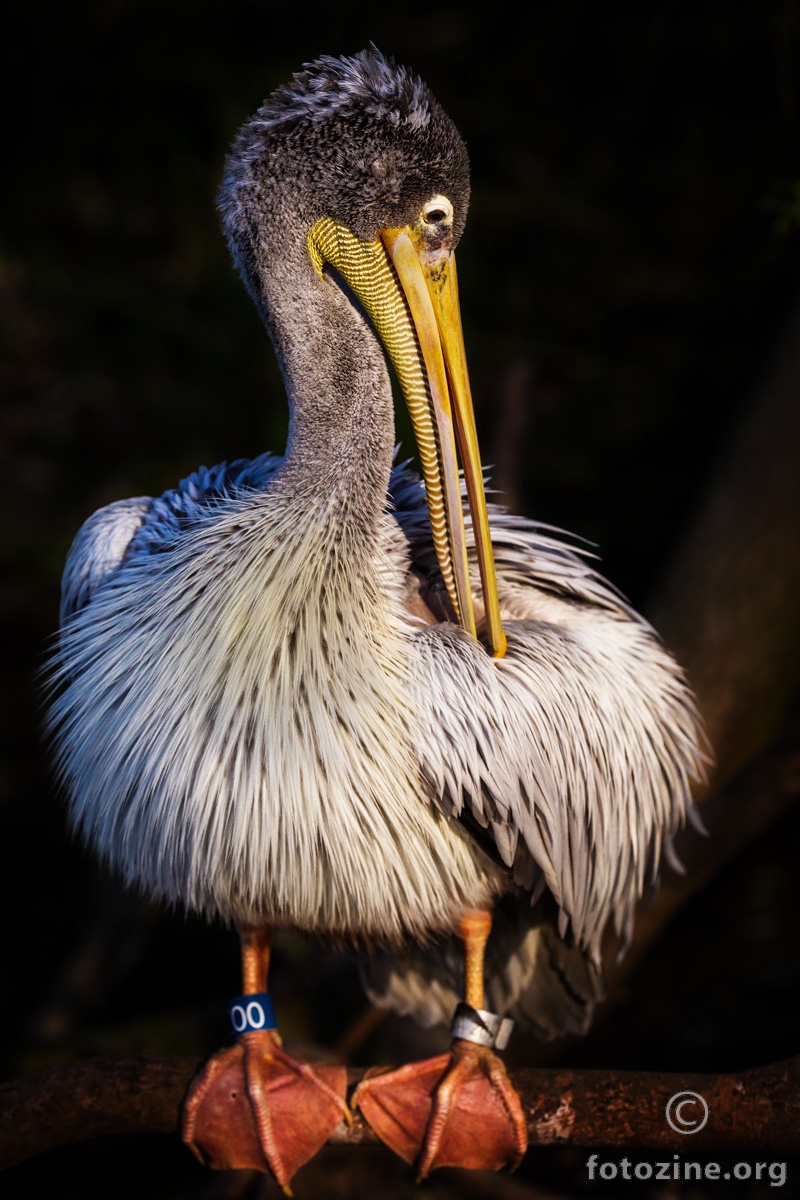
630	263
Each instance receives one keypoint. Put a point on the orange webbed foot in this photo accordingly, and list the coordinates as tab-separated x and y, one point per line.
254	1106
456	1110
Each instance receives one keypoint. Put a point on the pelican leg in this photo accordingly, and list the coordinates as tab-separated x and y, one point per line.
459	1109
253	1105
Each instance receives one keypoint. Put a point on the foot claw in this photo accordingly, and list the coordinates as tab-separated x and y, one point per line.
457	1110
255	1106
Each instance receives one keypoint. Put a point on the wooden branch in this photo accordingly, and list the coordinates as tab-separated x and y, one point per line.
118	1093
751	1111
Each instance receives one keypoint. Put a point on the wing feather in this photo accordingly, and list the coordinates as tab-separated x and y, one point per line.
577	750
98	550
143	524
548	987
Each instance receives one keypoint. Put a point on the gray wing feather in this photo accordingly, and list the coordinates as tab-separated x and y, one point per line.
102	543
98	551
577	750
548	987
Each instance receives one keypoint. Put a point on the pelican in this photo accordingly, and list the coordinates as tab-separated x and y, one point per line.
317	691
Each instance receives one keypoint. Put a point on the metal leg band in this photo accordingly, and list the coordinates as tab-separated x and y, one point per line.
248	1014
482	1027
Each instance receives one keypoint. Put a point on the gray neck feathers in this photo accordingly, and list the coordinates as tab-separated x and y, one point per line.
341	429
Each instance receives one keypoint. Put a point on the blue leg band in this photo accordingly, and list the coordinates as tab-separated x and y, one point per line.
248	1014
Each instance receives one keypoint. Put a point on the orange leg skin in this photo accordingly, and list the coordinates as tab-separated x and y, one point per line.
456	1110
255	1106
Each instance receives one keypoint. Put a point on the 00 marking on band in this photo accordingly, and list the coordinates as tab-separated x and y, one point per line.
248	1014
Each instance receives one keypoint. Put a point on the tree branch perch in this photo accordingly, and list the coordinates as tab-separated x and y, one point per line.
749	1111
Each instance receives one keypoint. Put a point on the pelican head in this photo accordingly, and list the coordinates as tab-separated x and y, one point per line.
354	180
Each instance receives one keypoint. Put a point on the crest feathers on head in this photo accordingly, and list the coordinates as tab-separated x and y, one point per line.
368	81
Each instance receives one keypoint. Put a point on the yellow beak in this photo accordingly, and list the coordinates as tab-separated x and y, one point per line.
431	291
428	355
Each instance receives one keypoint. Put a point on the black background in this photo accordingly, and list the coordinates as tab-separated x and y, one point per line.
631	257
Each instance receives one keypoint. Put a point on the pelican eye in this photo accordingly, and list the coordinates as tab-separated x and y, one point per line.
438	211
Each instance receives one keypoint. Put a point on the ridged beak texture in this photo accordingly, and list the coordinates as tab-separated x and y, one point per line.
413	305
